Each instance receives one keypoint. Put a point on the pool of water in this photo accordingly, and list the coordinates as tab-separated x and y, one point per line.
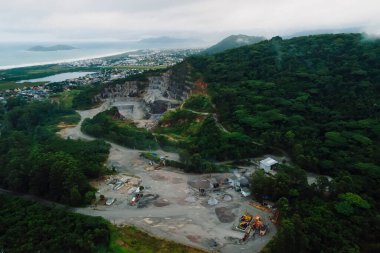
57	78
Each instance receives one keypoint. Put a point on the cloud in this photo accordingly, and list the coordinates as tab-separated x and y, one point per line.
130	19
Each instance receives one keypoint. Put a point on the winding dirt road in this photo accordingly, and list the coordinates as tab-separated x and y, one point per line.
76	133
186	217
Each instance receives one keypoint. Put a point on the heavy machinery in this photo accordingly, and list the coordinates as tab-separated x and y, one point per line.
135	199
244	221
202	192
263	230
257	226
161	164
248	224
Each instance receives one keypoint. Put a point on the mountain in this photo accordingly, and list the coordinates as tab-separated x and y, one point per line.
316	100
330	81
51	48
233	41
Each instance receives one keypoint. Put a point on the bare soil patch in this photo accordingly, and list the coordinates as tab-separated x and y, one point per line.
159	177
176	180
193	238
63	125
161	202
199	183
224	214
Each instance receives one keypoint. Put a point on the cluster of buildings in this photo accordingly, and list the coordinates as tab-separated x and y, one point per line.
30	93
109	69
159	57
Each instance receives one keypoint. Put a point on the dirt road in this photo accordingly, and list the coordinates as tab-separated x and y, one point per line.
116	150
179	213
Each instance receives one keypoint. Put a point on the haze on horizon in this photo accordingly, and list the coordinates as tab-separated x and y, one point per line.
209	20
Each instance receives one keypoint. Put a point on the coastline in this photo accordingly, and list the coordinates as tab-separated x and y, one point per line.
64	61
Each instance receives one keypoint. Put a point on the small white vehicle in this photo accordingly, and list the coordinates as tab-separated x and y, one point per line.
110	201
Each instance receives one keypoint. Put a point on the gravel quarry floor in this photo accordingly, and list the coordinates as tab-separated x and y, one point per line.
175	210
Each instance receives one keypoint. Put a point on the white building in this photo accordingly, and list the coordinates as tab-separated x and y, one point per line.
267	164
245	192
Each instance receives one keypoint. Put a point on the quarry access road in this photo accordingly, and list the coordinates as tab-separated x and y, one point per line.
76	133
180	214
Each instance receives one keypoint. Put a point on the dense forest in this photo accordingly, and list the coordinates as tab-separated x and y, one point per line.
109	125
317	98
35	160
199	103
194	132
31	227
85	99
28	226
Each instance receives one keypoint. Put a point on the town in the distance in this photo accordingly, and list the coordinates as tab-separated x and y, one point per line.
101	70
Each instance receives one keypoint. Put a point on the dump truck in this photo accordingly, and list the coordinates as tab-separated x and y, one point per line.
244	222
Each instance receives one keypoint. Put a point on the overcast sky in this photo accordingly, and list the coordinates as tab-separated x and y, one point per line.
68	20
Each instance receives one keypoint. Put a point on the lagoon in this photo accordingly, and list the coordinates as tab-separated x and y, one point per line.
57	78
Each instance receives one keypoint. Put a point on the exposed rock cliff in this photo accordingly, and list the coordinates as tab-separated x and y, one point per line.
156	93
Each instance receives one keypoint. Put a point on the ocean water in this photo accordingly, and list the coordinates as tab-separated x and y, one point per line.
17	55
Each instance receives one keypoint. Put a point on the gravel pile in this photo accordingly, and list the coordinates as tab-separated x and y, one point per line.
191	199
212	201
227	197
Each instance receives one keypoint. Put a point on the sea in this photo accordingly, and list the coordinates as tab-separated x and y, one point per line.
16	54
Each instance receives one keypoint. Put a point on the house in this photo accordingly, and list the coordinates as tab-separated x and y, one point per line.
245	192
267	164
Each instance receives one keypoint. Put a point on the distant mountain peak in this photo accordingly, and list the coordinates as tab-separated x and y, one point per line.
51	48
233	41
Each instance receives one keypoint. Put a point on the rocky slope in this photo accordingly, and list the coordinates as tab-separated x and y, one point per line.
156	93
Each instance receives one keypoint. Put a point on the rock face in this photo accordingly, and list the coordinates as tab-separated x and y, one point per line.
157	93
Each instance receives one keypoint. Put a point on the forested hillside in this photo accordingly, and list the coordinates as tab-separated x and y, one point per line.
318	99
107	125
31	227
34	160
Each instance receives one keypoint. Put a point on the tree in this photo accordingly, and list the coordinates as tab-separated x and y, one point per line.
75	196
261	185
349	202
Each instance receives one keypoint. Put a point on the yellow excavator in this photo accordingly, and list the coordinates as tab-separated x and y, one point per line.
255	225
245	220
